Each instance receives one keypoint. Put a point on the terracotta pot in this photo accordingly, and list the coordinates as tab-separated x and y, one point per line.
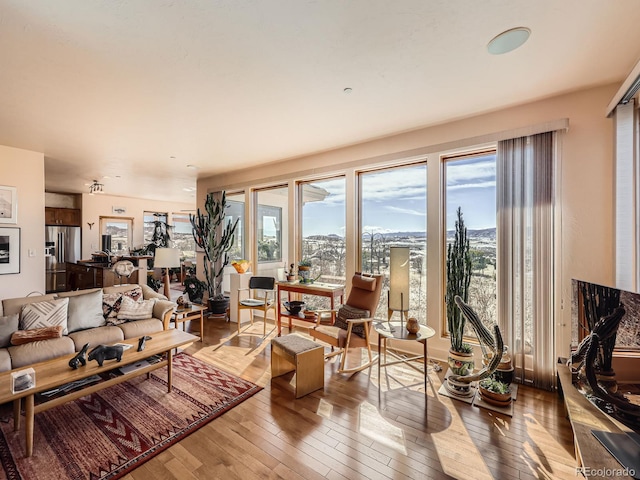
460	363
498	399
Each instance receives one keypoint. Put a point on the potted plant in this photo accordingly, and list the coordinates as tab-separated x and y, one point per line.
195	288
215	238
304	270
495	392
458	280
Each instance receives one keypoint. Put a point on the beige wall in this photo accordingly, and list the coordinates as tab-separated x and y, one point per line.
24	170
95	206
586	184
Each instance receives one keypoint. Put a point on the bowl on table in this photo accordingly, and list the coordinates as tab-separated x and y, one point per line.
294	307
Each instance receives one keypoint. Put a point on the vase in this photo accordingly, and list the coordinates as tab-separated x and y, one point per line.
460	363
413	326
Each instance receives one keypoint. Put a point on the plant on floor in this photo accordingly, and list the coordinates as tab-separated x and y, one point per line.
215	237
458	280
495	386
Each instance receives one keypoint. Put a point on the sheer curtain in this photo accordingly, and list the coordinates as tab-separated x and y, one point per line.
525	171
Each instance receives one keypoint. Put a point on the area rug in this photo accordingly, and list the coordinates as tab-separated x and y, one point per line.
107	434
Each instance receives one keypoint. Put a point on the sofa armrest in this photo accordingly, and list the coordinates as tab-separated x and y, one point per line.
163	310
148	293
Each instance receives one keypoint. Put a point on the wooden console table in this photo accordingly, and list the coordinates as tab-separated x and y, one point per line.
332	291
592	457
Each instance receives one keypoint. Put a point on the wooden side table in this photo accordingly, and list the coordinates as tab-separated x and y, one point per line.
181	315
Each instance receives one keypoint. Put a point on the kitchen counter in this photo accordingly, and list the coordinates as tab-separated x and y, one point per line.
91	274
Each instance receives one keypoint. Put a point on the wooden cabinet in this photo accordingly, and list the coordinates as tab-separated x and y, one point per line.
62	216
80	277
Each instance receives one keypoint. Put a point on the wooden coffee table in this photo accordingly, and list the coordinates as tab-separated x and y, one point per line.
55	373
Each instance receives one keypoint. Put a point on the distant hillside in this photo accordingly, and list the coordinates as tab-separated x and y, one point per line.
487	234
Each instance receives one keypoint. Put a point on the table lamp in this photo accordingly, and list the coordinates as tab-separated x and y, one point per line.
167	258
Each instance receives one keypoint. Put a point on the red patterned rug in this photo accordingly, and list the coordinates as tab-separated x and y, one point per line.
107	434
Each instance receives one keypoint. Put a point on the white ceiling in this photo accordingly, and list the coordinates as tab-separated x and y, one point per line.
119	88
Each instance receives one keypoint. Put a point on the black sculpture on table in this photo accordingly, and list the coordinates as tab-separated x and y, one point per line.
142	341
79	358
104	352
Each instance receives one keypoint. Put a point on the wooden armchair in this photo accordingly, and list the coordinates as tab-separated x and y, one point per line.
352	322
265	302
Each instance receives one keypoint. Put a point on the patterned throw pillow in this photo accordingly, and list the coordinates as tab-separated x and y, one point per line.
111	303
20	337
346	312
45	314
132	310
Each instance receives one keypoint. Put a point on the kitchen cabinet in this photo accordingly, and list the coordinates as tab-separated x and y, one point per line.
81	276
62	216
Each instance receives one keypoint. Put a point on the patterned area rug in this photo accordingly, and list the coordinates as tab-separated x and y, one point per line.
107	434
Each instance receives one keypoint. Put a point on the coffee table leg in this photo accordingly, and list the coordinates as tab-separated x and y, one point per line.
201	327
169	369
28	421
425	367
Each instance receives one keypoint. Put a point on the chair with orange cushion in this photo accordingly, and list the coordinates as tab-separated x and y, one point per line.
352	322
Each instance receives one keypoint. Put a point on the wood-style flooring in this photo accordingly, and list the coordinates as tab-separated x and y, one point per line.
360	427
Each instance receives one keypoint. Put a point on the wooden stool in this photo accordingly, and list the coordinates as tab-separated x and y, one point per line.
293	352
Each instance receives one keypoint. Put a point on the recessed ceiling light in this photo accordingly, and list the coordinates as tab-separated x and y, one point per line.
192	166
348	90
508	40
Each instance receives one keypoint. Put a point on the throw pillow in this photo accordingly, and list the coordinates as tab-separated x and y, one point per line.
8	325
45	314
21	337
132	310
85	311
110	306
347	312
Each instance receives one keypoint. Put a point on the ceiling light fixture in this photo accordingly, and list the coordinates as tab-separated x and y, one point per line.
348	90
95	187
508	40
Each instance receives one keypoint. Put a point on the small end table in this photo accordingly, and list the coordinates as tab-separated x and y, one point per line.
183	314
398	331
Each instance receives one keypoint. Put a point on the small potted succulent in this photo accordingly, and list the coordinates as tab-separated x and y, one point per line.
495	392
304	270
195	288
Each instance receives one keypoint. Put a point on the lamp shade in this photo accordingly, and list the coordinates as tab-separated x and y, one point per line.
167	258
399	279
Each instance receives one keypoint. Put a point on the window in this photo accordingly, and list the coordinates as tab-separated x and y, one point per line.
235	210
471	185
393	205
182	236
150	223
120	230
269	215
323	228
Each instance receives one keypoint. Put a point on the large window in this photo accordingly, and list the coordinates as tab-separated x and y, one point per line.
120	230
235	211
182	236
271	206
471	185
323	228
394	213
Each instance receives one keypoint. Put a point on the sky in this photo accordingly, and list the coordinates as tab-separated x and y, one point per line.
395	200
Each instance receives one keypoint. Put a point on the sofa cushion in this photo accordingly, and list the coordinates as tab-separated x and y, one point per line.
8	325
20	337
85	309
112	300
141	327
5	360
45	314
30	353
132	310
14	305
96	336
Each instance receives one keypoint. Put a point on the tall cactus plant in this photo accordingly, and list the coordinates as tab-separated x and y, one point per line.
216	239
458	280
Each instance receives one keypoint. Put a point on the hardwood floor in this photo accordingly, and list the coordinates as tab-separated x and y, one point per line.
359	427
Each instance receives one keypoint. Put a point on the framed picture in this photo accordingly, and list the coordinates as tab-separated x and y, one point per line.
9	250
8	205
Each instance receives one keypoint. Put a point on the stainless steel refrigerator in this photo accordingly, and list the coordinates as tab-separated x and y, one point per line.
62	245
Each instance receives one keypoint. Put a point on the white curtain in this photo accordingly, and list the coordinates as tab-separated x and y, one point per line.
525	185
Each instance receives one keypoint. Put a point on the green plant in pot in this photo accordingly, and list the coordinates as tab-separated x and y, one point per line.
458	280
304	270
495	392
215	237
195	288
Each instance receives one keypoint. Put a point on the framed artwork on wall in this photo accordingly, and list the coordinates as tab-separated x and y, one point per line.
9	250
8	204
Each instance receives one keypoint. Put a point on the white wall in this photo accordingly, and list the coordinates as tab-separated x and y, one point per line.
24	170
96	206
586	185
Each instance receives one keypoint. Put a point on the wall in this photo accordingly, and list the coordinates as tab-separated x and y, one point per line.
24	170
95	206
585	176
